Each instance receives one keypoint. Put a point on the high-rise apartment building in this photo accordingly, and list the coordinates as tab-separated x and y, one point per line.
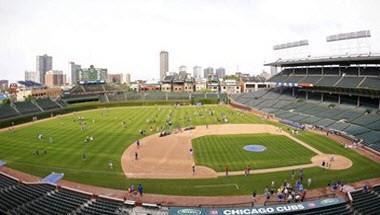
220	72
182	71
31	76
44	63
4	85
209	71
164	64
197	72
55	78
74	71
127	79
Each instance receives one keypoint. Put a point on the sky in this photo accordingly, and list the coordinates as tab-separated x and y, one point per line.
127	36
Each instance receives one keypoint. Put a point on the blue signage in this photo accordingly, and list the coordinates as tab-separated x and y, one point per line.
272	209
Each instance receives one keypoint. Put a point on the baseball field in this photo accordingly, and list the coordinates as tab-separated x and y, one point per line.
82	145
220	151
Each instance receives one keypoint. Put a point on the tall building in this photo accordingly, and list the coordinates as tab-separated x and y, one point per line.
127	79
209	71
220	72
74	71
93	74
44	63
4	85
164	64
182	71
115	78
197	72
55	78
31	76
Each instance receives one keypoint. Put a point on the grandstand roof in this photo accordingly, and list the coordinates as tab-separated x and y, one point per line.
332	60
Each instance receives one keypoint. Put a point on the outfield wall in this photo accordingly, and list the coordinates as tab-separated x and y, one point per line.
81	107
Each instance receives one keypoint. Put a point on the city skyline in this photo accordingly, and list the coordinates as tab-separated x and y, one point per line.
232	34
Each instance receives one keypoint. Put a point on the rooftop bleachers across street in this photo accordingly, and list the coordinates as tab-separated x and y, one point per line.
366	202
27	107
349	82
6	111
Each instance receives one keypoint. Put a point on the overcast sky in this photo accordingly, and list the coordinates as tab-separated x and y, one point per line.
127	36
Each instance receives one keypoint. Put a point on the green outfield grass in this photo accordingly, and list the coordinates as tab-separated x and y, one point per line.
111	139
219	151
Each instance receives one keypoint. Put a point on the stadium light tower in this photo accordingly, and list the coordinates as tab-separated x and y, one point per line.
296	49
349	43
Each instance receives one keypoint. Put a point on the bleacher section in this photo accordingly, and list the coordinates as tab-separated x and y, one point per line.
45	199
103	206
328	81
47	104
371	83
366	202
349	82
157	96
27	107
6	182
6	111
347	119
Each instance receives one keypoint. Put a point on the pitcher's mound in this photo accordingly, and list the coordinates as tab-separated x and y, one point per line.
335	162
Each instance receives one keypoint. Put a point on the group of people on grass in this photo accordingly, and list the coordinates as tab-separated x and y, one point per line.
286	192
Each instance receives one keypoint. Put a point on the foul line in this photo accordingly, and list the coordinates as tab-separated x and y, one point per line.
217	185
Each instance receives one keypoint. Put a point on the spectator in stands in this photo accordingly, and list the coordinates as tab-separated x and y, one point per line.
366	188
